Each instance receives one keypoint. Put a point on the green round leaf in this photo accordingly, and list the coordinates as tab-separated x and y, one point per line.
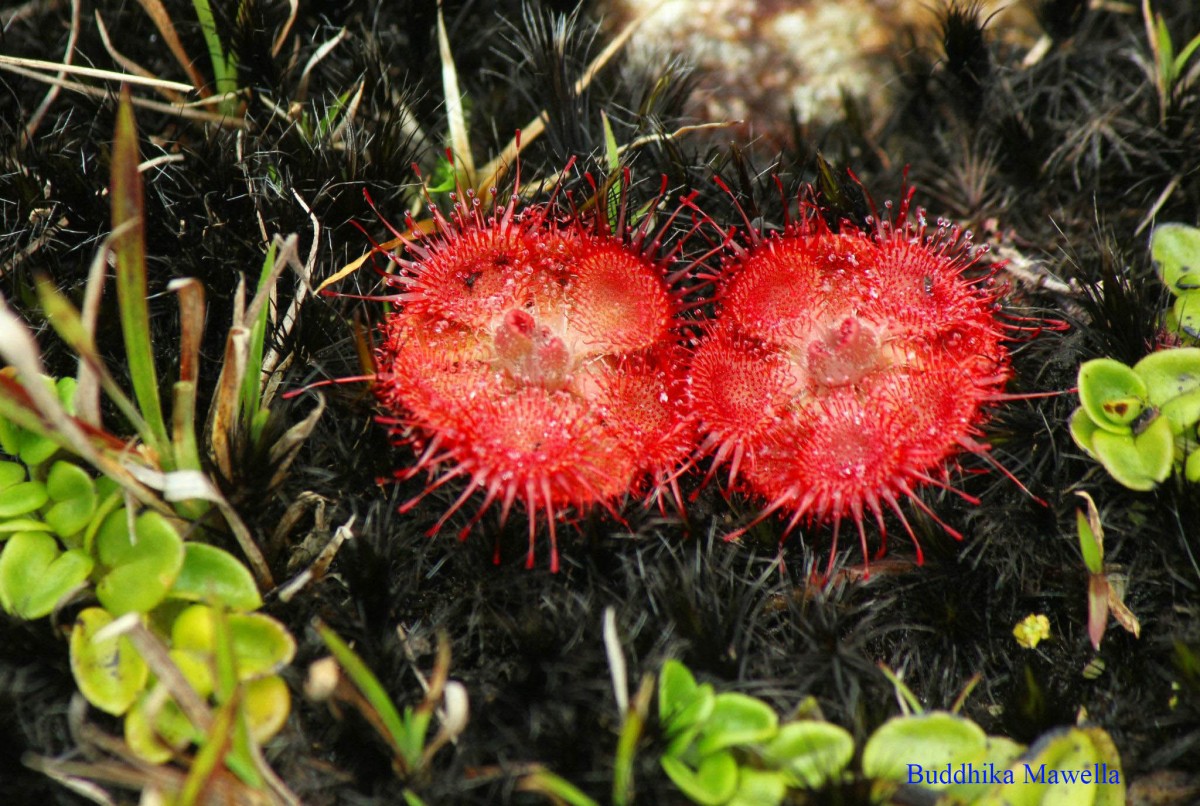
736	719
266	704
1111	393
67	480
23	498
1175	252
1140	462
75	493
8	437
110	673
759	788
153	726
712	783
1083	430
11	473
261	645
933	739
141	737
1186	315
21	525
139	568
810	753
1000	753
34	448
1063	767
210	574
1191	469
35	573
1172	380
683	706
676	687
65	389
196	670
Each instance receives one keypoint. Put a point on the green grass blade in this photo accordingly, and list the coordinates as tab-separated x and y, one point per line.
367	684
129	247
252	381
224	63
556	788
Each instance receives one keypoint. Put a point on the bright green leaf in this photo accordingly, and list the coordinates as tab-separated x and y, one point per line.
1175	252
1170	373
266	703
1000	752
1111	393
67	480
759	788
810	752
213	575
21	525
75	493
109	673
1140	462
933	739
1083	431
11	473
712	783
139	568
35	573
23	498
261	645
153	726
736	719
142	738
34	448
683	706
1191	468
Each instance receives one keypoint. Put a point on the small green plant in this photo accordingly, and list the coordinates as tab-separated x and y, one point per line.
1170	72
1140	422
732	749
165	609
406	732
168	638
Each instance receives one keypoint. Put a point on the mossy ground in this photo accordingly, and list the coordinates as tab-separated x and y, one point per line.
1058	164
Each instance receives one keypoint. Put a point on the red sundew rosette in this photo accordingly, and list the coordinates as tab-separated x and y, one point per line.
537	361
846	370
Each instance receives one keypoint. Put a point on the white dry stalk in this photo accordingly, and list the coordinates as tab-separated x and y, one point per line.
616	661
31	68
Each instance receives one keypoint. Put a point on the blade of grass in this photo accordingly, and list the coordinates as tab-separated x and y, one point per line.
130	251
252	382
205	765
367	684
631	733
544	782
224	63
